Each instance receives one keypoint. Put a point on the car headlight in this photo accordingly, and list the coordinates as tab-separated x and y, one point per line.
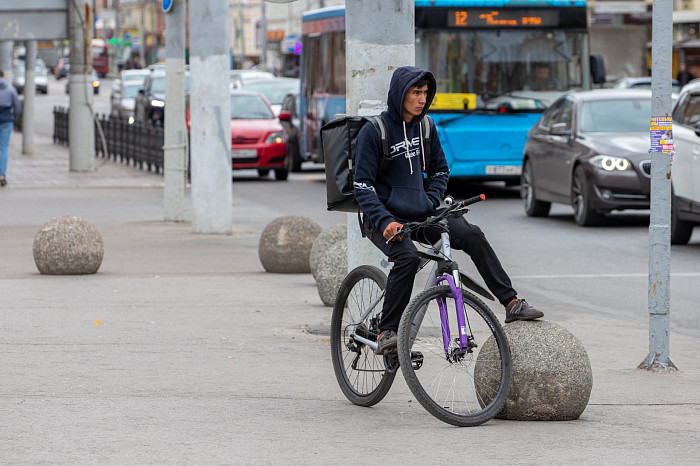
157	103
276	138
610	163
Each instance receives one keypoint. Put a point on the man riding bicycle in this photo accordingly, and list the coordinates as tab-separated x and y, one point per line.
398	194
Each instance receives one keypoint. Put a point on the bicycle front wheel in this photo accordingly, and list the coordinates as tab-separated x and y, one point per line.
363	377
451	384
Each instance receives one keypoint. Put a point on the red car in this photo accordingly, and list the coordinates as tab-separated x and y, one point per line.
258	139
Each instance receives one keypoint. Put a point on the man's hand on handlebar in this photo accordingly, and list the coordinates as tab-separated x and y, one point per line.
391	230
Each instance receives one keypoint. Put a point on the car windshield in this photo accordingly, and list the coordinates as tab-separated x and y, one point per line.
274	90
134	77
249	107
158	84
612	116
475	67
130	91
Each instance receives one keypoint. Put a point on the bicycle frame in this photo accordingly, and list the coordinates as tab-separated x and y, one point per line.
455	284
434	279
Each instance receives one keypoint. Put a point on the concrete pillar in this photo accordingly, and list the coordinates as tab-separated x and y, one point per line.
29	94
379	37
175	153
81	127
210	113
6	59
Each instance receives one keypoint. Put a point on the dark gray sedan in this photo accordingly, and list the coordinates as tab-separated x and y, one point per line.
589	150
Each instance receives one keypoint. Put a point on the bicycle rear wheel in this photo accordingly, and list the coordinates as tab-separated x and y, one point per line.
363	377
453	386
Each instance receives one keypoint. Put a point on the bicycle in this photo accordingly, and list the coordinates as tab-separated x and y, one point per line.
463	381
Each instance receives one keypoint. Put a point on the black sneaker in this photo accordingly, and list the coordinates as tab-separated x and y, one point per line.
3	181
386	340
519	309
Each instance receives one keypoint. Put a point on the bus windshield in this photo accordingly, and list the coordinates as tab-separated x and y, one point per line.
534	65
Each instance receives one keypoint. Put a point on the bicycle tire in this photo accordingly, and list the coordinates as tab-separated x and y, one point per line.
466	390
363	376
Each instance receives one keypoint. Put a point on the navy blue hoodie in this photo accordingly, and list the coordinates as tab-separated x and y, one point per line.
399	193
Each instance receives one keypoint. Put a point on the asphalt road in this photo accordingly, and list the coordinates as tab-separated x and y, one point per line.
601	265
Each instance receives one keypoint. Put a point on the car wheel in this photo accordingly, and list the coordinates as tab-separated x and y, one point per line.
680	229
264	172
281	174
533	207
581	200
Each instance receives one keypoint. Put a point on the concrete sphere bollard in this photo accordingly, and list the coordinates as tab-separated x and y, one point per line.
285	244
68	245
323	241
332	269
552	376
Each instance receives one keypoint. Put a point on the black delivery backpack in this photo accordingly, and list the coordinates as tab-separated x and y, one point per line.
339	145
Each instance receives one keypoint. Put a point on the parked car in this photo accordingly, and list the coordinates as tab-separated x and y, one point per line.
239	77
150	100
258	140
133	76
685	172
123	99
95	83
642	82
289	117
273	89
589	150
41	77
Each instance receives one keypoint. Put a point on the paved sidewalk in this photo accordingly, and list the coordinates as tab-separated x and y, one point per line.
49	167
181	349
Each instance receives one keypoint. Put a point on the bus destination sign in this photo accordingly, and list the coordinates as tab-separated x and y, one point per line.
502	18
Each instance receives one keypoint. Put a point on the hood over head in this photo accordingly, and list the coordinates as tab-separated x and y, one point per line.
401	81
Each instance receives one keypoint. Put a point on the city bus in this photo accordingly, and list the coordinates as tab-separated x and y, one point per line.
498	64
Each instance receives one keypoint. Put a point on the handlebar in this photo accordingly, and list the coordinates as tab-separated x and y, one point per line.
454	209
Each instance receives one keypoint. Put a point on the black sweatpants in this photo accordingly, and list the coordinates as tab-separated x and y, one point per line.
463	236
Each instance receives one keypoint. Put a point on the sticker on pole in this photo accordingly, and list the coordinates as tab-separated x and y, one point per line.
661	131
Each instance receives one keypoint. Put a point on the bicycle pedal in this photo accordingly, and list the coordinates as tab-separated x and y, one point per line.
391	360
416	359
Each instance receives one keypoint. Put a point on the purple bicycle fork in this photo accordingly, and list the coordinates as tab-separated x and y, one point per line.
459	307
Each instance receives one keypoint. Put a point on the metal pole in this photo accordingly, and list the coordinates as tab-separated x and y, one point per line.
659	296
81	128
142	36
114	49
210	128
241	26
263	37
174	149
379	38
29	94
6	59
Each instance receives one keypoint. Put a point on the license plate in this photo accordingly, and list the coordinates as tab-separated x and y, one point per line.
503	169
244	153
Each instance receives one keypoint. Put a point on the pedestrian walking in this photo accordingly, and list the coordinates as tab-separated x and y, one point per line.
684	75
10	107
